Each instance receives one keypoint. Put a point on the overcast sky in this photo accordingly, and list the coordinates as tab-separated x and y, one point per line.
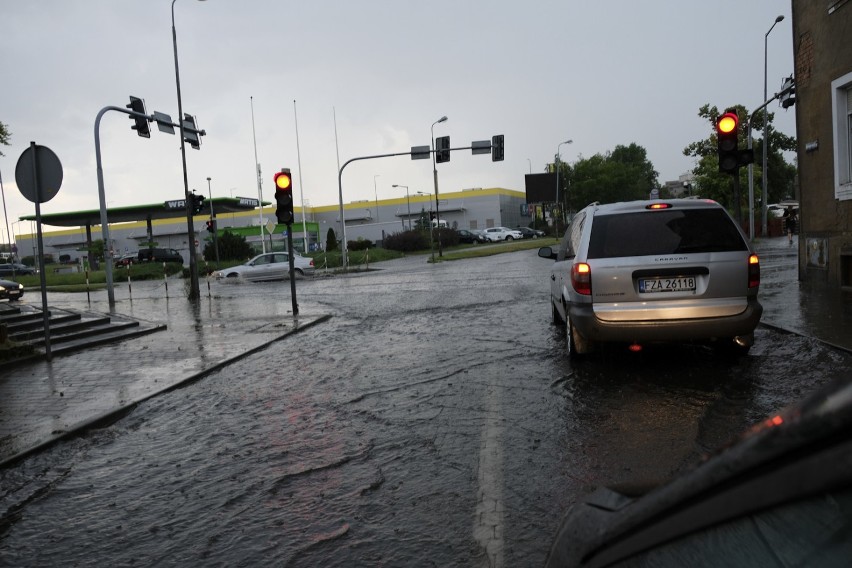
539	72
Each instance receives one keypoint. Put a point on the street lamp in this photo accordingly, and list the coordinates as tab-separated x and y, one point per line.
376	193
435	178
562	214
213	222
194	293
763	201
408	200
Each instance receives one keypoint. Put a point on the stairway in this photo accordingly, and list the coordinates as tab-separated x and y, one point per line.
70	330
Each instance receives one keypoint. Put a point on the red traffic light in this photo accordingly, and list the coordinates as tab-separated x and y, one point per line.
727	123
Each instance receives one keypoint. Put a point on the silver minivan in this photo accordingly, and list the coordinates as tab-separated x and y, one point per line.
642	272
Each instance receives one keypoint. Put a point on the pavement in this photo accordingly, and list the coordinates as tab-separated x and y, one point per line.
44	401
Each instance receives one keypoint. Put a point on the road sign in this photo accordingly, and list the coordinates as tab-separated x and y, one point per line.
480	147
420	152
38	162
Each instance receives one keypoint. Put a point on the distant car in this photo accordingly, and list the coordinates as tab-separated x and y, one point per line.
469	237
496	234
11	291
777	496
655	272
269	266
529	233
127	259
160	255
16	269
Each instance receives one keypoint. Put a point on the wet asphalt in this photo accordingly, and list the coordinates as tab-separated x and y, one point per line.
42	401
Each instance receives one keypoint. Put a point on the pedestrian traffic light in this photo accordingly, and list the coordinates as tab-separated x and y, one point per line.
497	148
211	226
727	129
442	149
141	126
284	196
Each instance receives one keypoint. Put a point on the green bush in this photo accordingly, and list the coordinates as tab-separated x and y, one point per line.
407	241
360	244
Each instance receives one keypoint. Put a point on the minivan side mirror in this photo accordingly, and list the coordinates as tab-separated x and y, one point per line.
547	252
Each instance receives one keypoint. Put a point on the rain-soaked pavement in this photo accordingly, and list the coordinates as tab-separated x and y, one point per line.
434	420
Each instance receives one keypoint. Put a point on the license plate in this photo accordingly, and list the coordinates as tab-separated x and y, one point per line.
682	284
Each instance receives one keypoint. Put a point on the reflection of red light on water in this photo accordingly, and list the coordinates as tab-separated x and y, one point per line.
775	421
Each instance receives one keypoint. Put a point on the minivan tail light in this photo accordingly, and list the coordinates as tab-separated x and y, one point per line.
753	271
581	278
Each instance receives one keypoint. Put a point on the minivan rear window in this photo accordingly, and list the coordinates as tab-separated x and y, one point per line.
668	231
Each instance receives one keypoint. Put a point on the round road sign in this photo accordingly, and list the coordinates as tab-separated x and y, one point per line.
38	161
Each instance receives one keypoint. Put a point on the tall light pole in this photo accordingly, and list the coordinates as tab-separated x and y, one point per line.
435	177
376	193
431	240
556	167
408	200
213	222
763	201
194	293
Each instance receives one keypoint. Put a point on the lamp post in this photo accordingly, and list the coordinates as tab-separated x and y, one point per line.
435	178
213	222
376	193
561	213
763	201
194	293
408	200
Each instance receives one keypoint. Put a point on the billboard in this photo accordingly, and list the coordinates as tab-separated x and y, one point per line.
541	188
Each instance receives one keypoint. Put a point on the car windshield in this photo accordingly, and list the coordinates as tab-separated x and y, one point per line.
663	232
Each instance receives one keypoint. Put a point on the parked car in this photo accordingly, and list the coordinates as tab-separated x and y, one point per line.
160	255
16	269
269	266
11	290
777	496
529	233
655	271
466	236
496	234
128	259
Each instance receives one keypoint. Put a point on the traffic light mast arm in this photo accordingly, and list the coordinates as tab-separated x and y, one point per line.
776	96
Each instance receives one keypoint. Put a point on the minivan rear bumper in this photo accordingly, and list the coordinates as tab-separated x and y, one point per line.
591	327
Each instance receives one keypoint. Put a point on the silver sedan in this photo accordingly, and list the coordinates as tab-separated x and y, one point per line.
269	266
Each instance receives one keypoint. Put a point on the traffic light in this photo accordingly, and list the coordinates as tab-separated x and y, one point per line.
197	203
727	128
141	126
497	148
284	196
190	131
211	226
442	149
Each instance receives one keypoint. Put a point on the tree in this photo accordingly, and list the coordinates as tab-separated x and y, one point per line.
330	240
231	247
625	174
5	136
716	185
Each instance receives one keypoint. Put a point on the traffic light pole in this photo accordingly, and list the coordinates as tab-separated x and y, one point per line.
292	269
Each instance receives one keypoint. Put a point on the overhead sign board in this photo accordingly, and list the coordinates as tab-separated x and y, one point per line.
164	122
175	204
249	202
420	152
480	147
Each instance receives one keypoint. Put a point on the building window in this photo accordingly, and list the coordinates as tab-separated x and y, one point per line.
841	113
473	226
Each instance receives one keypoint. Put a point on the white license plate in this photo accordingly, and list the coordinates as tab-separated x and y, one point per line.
682	284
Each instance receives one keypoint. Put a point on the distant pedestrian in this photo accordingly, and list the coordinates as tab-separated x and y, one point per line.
790	219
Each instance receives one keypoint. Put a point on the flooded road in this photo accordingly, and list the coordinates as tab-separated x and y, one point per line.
435	420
